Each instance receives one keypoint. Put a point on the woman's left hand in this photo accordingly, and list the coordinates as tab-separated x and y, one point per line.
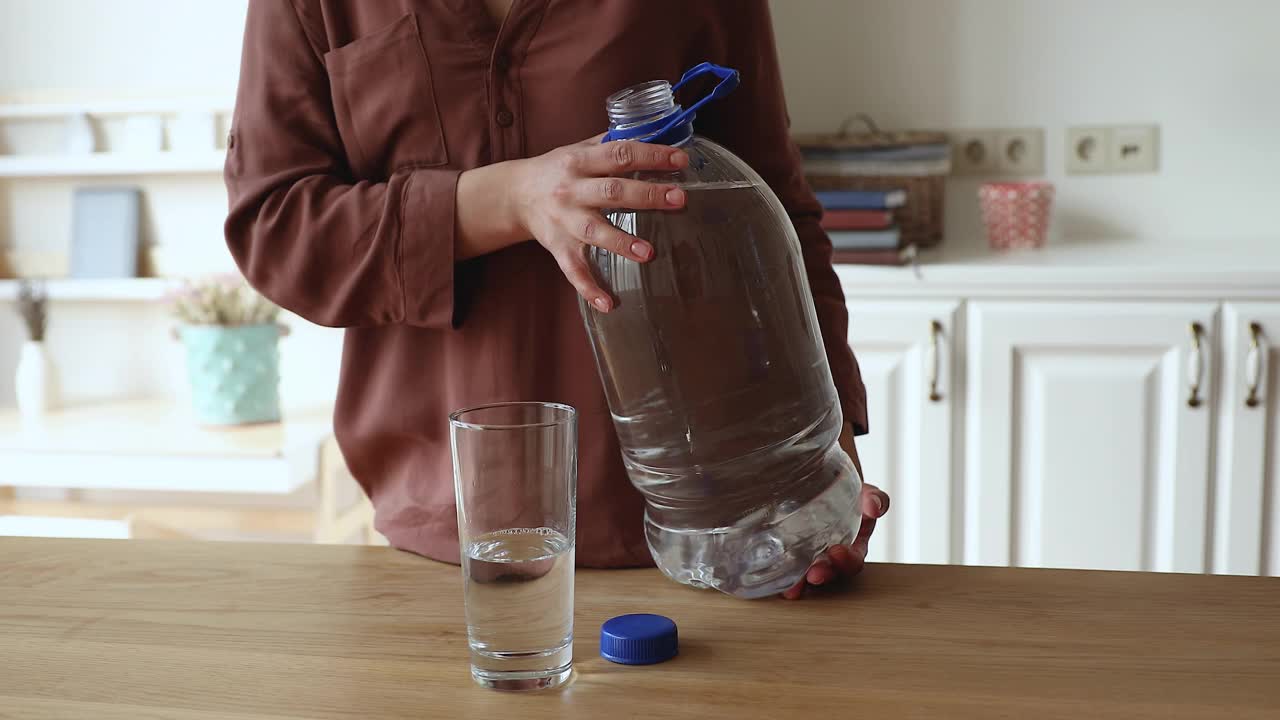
845	561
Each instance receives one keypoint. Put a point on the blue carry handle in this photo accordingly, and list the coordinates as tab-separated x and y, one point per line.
668	131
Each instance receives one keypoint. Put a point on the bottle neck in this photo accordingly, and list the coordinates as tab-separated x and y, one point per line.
648	112
641	104
643	112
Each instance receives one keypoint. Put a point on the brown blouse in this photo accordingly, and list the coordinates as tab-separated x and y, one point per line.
352	123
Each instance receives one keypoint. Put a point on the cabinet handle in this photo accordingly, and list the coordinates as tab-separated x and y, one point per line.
1253	365
1195	366
933	360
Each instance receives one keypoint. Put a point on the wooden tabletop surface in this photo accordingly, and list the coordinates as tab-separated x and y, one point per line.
118	630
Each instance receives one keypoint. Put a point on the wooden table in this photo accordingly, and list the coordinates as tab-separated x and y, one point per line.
118	630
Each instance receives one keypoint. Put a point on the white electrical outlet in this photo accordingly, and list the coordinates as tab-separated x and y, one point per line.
1134	149
1020	152
973	152
1112	150
1088	150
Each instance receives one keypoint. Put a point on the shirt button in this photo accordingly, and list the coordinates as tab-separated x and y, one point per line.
502	63
505	118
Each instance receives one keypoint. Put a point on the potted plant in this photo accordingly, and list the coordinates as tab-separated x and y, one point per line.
36	380
231	335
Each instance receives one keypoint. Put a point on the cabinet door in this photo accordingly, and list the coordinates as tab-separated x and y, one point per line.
1246	507
1088	433
905	350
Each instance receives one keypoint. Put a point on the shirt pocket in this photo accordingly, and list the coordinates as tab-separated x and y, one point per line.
384	101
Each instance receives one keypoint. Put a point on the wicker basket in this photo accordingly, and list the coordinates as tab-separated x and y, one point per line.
920	219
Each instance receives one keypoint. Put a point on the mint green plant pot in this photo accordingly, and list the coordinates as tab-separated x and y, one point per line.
234	373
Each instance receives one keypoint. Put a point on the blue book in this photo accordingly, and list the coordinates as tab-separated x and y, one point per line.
862	199
887	239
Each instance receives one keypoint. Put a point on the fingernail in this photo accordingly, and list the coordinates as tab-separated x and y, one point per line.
641	250
601	304
674	197
679	159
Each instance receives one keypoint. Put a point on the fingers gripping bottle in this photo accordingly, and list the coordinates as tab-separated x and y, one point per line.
715	370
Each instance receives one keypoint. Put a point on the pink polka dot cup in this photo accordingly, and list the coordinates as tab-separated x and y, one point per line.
1016	214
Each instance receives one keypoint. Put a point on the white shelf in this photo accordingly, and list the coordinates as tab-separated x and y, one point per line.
99	108
112	290
60	527
106	164
158	446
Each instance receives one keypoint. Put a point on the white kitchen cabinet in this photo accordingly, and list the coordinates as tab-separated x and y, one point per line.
1246	507
1088	432
906	350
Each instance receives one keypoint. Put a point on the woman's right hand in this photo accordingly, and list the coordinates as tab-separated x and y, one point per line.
556	198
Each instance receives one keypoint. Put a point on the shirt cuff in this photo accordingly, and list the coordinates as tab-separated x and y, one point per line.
853	396
427	236
855	413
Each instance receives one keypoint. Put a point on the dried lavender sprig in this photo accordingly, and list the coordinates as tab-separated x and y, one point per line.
222	300
33	307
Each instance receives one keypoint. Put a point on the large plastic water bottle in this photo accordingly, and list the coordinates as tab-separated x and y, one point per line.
715	370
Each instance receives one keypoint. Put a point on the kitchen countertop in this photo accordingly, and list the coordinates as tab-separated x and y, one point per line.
155	427
1119	268
149	445
196	631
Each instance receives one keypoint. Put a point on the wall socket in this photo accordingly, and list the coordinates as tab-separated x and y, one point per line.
1005	151
1112	150
1020	152
1088	150
973	152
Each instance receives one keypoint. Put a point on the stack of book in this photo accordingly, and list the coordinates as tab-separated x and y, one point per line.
861	226
886	189
921	158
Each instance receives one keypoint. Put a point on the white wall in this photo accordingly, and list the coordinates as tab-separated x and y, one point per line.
1207	71
90	49
113	47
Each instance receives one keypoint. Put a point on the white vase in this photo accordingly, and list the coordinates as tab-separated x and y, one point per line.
36	383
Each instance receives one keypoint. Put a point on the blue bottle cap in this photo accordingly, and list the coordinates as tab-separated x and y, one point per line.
640	639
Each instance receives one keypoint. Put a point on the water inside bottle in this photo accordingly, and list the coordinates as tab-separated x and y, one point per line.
721	394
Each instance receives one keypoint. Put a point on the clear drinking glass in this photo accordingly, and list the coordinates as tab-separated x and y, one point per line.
515	471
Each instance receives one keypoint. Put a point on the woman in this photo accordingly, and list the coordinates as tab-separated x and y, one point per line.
387	166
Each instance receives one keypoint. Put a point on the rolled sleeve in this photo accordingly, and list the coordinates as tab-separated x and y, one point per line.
335	249
427	235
